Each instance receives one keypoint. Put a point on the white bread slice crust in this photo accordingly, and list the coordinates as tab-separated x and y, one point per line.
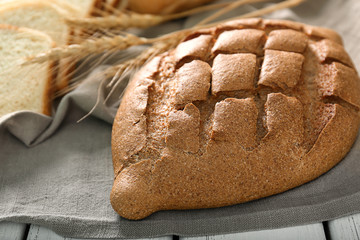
26	87
84	9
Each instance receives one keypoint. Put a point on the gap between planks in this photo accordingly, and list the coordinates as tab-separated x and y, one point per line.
13	231
345	228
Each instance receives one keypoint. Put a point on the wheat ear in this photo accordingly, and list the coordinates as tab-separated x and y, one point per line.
89	46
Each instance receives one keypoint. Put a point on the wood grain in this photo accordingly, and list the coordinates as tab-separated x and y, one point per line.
306	232
42	233
346	228
13	231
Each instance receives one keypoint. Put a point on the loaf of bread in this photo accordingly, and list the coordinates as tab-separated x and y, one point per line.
28	88
238	112
159	6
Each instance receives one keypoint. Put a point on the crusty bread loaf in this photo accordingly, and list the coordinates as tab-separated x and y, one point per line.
28	87
160	6
237	112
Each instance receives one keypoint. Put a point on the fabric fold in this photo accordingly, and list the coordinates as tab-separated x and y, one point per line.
33	128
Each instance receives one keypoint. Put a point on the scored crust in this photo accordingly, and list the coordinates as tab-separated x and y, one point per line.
225	120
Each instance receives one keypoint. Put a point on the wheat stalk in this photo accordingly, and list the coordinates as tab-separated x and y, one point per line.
141	59
124	21
110	9
127	19
89	46
119	69
227	9
263	11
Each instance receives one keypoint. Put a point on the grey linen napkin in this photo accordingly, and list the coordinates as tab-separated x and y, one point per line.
58	173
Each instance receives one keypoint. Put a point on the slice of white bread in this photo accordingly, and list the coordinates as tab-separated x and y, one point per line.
44	16
26	87
82	8
49	16
39	15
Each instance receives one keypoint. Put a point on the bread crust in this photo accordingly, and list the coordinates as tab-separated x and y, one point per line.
161	7
131	118
97	6
240	143
48	93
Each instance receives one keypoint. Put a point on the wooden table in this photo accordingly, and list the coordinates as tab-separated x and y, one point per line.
342	228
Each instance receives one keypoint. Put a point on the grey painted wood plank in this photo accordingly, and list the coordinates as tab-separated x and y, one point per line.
306	232
12	231
42	233
345	228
